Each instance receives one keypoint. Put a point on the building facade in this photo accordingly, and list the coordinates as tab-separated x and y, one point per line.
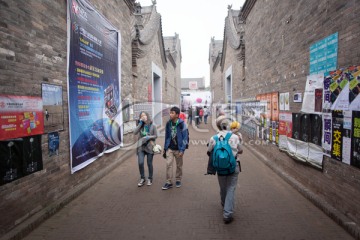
281	49
33	51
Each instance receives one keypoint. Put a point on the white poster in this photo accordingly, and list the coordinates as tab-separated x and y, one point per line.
282	101
287	101
313	82
342	100
327	131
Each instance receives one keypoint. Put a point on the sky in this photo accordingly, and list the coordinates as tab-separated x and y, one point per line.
196	21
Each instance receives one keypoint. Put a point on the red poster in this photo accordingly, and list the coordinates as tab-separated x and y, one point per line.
285	124
20	116
275	106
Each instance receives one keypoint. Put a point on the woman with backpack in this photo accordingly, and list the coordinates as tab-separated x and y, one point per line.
147	135
225	164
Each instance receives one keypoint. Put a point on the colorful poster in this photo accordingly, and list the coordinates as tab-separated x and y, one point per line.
313	82
323	54
20	116
282	102
285	124
337	135
93	85
52	107
353	76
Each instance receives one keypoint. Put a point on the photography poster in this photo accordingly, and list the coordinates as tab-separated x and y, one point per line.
93	85
52	107
21	157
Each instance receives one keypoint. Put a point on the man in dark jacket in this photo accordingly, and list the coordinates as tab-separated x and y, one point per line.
176	139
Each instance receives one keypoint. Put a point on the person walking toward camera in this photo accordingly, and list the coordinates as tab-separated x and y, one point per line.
147	135
223	148
176	141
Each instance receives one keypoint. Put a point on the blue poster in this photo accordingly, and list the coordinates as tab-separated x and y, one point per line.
323	55
53	143
93	85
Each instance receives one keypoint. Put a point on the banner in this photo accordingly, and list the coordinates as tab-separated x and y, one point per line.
93	85
313	83
315	129
20	116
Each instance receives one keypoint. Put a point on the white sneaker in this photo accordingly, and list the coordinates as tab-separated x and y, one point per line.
141	183
149	182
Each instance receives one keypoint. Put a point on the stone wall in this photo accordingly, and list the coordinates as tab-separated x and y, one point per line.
33	50
277	41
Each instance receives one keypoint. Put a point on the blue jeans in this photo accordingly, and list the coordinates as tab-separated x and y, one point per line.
227	192
141	157
205	119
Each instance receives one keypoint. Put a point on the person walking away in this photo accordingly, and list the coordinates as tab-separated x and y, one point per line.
176	139
147	135
196	116
189	121
227	182
206	114
201	114
47	115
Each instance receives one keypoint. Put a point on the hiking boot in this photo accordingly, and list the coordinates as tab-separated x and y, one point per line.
149	182
178	184
167	186
141	183
228	220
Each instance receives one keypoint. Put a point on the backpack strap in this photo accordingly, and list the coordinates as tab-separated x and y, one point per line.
228	136
216	138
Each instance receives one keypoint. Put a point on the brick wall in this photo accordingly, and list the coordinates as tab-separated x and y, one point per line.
33	50
277	41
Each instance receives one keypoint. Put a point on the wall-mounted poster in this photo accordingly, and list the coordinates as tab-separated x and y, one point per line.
313	82
287	101
323	54
20	157
327	131
296	125
20	116
315	129
337	135
93	85
54	142
275	106
355	148
52	107
305	129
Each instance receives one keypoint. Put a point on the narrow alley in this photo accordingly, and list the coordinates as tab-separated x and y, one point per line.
115	208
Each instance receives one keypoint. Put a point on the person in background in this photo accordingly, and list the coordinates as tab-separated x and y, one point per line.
176	139
206	114
147	134
189	121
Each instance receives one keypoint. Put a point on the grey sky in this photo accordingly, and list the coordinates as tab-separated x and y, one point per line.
196	21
